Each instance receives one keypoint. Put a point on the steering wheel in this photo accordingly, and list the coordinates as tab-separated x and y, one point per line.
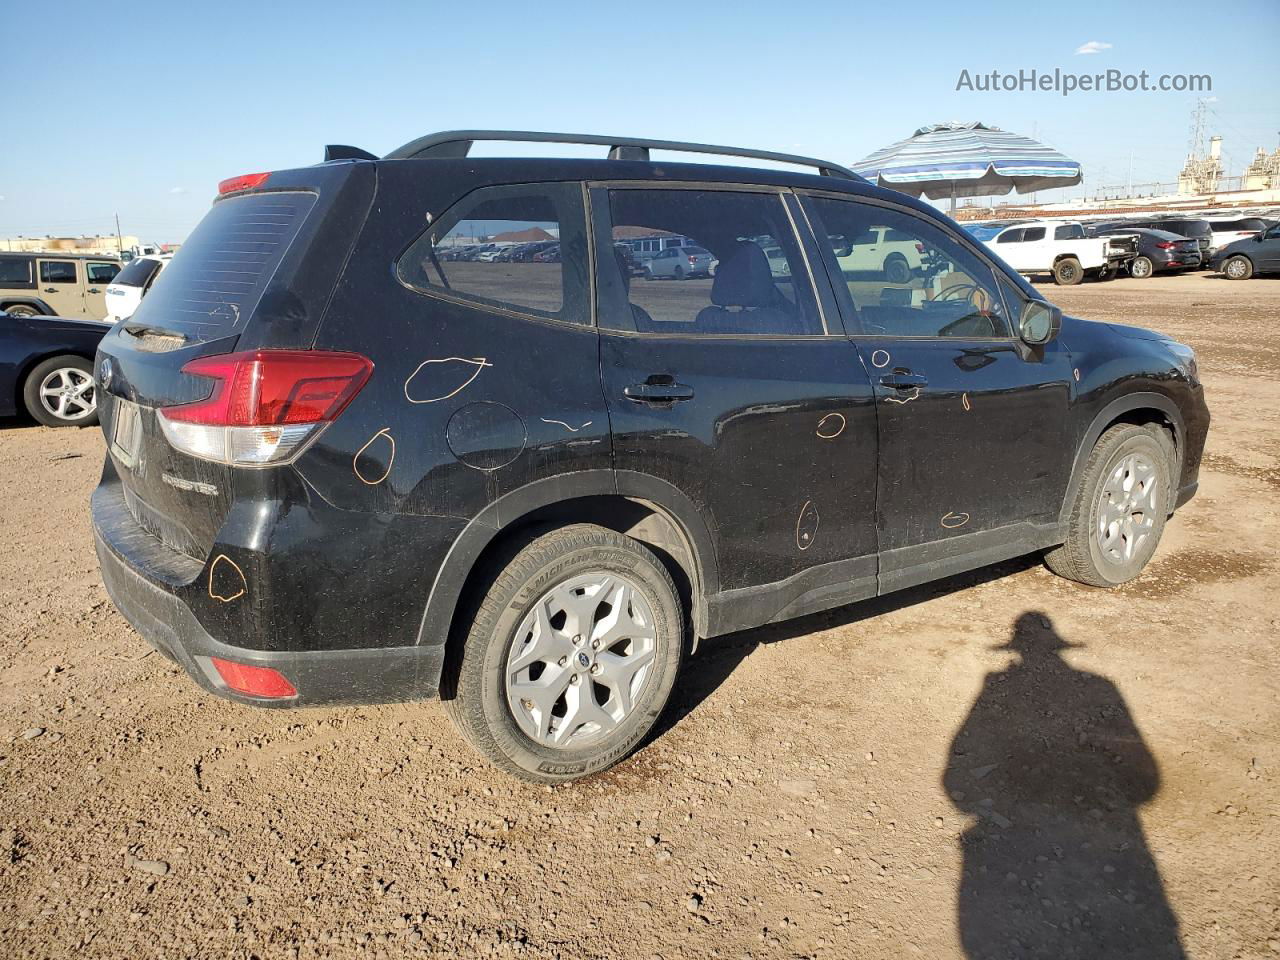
977	297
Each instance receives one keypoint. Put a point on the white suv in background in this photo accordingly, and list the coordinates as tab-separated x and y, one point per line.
131	284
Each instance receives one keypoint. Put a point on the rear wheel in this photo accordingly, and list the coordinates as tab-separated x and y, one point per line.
60	392
1119	510
1067	272
22	310
679	273
571	655
1141	268
897	270
1238	268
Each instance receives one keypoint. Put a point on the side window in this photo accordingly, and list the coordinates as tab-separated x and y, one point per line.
1069	231
15	272
922	281
500	221
102	273
57	271
742	272
1011	236
1032	234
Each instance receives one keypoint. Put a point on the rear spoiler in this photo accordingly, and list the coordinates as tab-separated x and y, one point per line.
341	151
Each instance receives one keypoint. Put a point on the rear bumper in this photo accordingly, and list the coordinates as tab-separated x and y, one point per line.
348	676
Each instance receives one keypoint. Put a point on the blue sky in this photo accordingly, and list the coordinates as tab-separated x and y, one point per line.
149	112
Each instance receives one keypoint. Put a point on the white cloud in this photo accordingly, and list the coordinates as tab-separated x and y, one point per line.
177	190
1093	46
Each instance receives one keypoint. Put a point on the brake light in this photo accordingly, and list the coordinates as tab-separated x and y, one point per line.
246	181
264	405
254	681
919	248
692	258
1166	244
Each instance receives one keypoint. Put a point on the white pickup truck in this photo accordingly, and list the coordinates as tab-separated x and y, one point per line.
1057	247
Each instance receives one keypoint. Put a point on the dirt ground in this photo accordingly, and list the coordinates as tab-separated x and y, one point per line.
1001	765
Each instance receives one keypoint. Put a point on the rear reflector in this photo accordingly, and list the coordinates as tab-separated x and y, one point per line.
246	181
253	681
264	405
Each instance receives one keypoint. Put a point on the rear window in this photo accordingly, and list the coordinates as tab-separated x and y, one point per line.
137	273
213	284
15	272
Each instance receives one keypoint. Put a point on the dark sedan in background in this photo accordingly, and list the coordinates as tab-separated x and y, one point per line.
1158	250
1246	258
46	368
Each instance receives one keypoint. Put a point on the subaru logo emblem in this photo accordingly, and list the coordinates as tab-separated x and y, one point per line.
583	660
108	371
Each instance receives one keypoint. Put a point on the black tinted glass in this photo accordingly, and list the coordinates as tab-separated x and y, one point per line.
137	273
215	281
58	271
14	272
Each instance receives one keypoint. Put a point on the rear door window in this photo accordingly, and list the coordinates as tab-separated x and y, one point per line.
213	284
57	271
1032	234
546	289
756	282
1011	236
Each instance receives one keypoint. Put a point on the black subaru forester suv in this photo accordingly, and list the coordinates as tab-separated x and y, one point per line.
356	454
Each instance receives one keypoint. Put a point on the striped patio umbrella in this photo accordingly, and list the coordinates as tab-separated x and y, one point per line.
968	160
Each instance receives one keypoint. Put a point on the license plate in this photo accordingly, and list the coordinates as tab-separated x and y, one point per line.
126	431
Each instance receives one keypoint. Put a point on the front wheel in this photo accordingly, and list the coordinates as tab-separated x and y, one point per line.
571	655
1238	268
1119	509
1067	272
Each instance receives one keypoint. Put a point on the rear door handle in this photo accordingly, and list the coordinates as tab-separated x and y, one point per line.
658	392
50	289
903	381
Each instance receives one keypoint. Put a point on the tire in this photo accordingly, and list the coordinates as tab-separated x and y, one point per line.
22	310
486	702
1238	267
1141	268
648	273
1083	557
62	383
897	270
1067	272
679	273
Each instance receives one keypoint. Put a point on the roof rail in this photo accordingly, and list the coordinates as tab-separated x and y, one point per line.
457	143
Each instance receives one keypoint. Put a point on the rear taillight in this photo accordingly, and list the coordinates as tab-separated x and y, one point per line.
919	248
692	258
253	681
1166	244
246	181
265	405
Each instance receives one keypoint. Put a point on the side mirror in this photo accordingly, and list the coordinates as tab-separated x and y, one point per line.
1039	323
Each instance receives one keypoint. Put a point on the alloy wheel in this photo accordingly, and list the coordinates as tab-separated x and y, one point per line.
68	394
580	660
1127	506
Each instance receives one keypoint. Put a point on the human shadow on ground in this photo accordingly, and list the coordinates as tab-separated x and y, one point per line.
1052	767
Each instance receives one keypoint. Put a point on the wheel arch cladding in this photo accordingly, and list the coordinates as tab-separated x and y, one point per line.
650	510
1137	409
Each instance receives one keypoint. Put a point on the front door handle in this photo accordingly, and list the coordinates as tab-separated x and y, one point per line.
903	381
94	290
50	289
658	392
